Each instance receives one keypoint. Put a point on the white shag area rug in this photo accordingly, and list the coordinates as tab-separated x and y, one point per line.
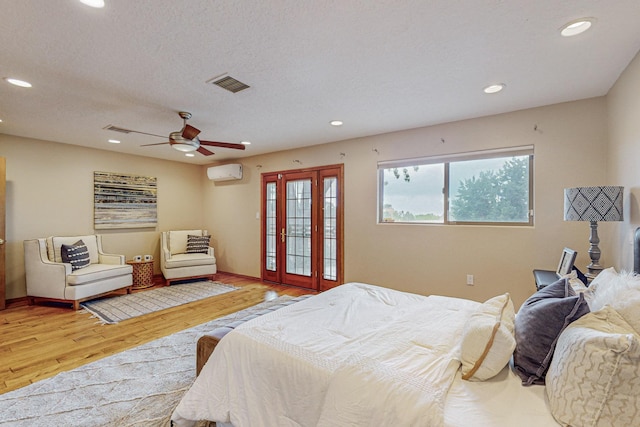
112	310
138	387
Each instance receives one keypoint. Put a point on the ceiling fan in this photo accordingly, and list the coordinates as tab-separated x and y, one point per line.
187	140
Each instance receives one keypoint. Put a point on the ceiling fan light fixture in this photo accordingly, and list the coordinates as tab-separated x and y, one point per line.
182	144
186	140
183	147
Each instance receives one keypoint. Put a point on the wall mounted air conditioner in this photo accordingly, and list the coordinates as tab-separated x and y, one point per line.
225	172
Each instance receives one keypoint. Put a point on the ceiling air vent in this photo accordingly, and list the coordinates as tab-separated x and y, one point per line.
117	129
228	83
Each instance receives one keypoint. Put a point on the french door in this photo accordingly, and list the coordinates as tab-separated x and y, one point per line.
302	230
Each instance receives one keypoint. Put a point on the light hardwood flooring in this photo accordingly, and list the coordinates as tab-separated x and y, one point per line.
40	341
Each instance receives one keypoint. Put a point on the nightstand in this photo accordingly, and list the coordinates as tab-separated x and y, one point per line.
544	278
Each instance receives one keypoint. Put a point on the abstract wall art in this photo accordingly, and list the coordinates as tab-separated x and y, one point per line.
124	201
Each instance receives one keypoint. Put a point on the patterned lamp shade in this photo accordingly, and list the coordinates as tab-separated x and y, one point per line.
593	204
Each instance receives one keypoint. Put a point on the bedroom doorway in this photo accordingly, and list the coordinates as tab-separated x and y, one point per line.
302	230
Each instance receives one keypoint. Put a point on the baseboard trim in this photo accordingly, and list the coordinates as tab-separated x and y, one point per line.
242	276
16	302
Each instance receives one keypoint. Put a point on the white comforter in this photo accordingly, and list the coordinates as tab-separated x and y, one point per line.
355	355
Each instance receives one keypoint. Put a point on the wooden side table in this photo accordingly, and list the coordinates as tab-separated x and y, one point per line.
142	274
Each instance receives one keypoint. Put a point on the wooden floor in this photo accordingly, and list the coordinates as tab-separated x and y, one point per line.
37	342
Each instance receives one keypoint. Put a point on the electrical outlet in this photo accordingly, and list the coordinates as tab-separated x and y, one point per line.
470	279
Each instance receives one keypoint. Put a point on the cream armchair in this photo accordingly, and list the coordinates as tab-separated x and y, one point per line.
49	278
180	260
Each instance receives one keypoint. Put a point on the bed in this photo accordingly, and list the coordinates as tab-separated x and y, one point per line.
361	355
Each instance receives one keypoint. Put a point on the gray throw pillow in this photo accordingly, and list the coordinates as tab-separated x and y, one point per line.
197	244
77	255
538	325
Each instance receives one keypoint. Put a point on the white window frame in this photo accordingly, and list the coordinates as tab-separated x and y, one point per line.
527	150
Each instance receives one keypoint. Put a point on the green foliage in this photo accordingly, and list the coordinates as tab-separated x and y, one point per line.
405	173
500	196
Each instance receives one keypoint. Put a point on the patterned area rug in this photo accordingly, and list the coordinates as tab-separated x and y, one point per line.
138	387
112	310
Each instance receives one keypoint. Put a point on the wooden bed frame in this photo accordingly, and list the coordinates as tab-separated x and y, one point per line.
206	345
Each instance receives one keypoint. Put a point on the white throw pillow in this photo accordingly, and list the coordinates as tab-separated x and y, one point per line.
603	279
622	293
488	339
594	377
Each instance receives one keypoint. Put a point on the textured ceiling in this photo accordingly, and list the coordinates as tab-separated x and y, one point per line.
379	66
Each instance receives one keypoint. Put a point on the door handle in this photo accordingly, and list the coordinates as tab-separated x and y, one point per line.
1	241
282	234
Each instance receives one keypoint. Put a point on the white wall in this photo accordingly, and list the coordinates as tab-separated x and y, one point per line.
570	143
623	154
50	192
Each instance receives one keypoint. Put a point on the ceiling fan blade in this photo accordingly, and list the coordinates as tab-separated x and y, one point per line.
189	132
204	151
224	145
158	143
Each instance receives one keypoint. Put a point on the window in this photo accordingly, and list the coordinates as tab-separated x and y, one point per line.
488	187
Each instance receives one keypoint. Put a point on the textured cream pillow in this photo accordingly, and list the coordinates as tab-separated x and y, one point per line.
487	339
594	377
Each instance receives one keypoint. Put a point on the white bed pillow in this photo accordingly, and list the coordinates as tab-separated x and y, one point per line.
594	377
605	277
487	339
620	291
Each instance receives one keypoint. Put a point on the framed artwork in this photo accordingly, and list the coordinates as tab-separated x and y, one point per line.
124	201
566	261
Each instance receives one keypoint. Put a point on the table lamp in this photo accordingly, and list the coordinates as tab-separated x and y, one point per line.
593	204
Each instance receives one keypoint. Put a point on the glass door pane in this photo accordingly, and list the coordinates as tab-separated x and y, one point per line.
298	226
330	227
271	227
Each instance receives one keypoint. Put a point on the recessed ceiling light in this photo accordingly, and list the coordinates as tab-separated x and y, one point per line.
189	155
114	141
494	88
245	143
336	123
17	82
93	3
576	27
